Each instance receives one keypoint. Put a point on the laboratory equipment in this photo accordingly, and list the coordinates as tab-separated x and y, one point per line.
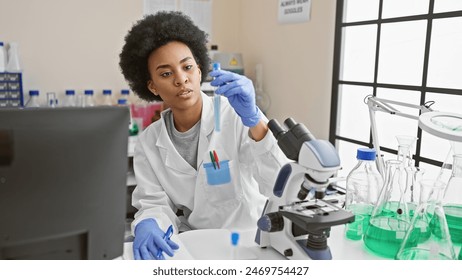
88	100
452	201
107	97
63	183
428	235
411	174
33	99
363	185
52	101
390	218
69	98
2	57
293	225
383	105
217	104
13	65
234	243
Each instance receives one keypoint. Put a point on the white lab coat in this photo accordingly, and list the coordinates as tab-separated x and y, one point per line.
166	182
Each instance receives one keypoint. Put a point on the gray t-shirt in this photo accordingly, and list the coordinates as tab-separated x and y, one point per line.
185	142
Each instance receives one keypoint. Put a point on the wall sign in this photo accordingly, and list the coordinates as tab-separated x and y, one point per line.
294	11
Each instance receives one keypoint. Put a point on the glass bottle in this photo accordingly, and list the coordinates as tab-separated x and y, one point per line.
2	58
452	201
107	97
13	65
34	99
363	185
88	98
390	218
428	235
69	100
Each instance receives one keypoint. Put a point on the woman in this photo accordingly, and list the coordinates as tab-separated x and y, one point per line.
165	58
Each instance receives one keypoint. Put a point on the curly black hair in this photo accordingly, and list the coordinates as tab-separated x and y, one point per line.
151	33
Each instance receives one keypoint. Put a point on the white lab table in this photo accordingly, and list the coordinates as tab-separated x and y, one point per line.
215	244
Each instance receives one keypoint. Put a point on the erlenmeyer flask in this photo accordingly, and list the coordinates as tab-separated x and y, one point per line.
390	218
412	192
422	241
452	201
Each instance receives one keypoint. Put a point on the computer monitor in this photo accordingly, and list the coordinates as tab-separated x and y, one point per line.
63	182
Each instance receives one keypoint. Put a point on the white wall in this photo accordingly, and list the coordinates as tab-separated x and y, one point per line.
75	44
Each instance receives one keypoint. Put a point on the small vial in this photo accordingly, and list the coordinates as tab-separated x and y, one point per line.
107	97
88	98
234	242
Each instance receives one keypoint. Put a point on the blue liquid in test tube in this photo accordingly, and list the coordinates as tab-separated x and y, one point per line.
217	103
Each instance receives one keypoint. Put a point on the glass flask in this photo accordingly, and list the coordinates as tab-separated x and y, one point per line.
412	192
452	201
390	218
428	235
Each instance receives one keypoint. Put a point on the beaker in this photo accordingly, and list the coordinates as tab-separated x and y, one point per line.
452	201
390	218
428	235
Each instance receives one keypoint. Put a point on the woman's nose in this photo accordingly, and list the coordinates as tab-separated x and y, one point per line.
181	79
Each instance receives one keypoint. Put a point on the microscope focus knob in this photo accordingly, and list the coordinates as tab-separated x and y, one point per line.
271	222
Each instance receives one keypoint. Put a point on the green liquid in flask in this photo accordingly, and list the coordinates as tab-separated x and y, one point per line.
384	235
419	254
356	229
454	219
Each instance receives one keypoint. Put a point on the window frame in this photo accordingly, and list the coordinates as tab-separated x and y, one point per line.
422	88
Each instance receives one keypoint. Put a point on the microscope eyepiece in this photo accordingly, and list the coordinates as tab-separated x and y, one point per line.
276	128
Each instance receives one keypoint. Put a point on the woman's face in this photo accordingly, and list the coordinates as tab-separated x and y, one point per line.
175	76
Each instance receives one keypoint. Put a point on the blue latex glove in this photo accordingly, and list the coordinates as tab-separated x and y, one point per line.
240	92
148	239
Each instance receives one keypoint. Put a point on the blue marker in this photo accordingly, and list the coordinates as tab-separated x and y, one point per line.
167	236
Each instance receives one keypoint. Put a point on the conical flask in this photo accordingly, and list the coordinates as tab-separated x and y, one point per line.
390	218
428	235
452	201
412	192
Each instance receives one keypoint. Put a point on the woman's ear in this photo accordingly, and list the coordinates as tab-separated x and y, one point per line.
152	88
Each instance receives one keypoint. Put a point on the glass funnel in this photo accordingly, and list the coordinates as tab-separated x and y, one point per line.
405	147
428	235
452	201
390	218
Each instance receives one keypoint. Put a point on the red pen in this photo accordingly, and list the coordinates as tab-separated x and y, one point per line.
216	159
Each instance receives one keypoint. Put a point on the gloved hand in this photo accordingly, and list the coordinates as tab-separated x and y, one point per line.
241	94
148	239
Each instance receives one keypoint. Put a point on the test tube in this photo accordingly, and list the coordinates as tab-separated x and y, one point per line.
217	103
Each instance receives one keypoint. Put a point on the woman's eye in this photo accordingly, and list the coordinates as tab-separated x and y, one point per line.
188	67
166	74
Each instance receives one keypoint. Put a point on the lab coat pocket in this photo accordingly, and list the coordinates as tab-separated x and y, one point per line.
222	185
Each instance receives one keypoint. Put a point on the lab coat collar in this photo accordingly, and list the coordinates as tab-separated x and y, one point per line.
168	152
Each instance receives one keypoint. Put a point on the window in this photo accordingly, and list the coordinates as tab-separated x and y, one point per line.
407	51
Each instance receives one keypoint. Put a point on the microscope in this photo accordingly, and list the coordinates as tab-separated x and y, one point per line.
296	221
